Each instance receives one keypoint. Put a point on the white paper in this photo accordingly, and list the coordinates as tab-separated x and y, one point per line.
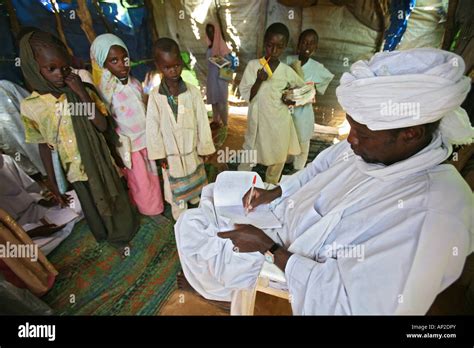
60	216
229	189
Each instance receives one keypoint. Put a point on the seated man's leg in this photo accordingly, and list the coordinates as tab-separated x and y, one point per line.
209	263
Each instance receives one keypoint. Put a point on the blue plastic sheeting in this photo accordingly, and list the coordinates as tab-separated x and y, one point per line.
399	12
128	24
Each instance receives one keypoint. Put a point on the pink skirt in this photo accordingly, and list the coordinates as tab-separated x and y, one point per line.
144	185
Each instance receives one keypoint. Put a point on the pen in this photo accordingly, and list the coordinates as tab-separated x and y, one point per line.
251	193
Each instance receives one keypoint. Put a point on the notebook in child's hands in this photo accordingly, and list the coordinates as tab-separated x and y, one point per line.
229	189
219	61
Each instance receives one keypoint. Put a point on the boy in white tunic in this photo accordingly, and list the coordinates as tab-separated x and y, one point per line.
384	191
177	130
270	129
311	71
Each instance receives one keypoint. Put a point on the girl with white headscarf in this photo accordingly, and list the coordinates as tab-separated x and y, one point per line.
123	95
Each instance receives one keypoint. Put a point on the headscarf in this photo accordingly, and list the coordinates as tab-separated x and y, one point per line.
95	154
406	88
103	79
219	46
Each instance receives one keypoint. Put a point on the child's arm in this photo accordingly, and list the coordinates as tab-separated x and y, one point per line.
205	145
261	76
251	80
34	136
154	139
45	154
74	82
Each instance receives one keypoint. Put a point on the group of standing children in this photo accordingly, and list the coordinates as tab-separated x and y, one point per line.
126	136
272	131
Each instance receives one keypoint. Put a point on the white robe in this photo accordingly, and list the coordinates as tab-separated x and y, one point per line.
413	220
268	118
19	197
180	140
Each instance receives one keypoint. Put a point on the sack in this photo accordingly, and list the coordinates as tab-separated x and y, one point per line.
226	73
188	187
58	172
125	150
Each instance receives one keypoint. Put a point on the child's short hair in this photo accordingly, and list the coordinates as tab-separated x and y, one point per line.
165	44
277	28
306	32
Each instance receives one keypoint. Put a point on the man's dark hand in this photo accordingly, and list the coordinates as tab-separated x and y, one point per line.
44	230
260	196
48	203
248	238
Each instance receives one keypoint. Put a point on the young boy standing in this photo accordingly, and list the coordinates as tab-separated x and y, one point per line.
177	130
311	71
270	129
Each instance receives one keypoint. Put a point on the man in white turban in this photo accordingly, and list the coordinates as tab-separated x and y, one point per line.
376	224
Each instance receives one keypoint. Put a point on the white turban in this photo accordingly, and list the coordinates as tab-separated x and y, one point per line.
407	88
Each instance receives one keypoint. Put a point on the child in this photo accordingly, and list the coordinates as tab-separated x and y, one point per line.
177	129
311	71
217	89
270	129
54	117
123	95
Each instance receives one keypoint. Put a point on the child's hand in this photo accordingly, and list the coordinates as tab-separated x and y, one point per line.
118	160
262	75
74	82
287	101
204	158
163	163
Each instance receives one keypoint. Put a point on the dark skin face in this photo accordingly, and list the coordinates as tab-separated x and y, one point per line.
118	62
275	45
386	146
210	33
306	47
170	65
54	66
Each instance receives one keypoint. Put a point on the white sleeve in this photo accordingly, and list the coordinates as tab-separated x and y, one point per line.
318	165
154	139
410	259
205	145
248	79
324	79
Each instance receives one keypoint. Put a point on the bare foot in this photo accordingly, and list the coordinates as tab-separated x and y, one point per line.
184	285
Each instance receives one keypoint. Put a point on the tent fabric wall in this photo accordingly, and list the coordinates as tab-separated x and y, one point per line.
343	39
343	36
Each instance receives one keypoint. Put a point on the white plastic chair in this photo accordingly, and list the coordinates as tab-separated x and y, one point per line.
244	302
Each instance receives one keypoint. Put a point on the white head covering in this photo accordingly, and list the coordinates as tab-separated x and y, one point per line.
406	88
101	45
103	79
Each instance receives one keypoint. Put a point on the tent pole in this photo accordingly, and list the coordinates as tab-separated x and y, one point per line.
151	20
449	27
59	26
263	25
86	20
102	17
15	25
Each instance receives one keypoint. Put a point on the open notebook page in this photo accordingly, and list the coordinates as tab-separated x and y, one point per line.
229	189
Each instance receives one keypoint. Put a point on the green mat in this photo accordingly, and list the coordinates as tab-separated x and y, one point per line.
94	280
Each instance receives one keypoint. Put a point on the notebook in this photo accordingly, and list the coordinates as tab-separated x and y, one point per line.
229	189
